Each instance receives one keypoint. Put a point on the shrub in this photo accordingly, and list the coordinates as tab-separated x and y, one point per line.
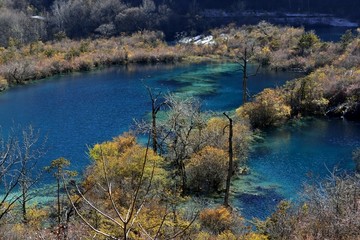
223	222
216	220
268	109
207	170
306	95
306	42
330	211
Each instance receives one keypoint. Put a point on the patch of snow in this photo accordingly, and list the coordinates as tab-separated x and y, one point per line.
208	40
198	40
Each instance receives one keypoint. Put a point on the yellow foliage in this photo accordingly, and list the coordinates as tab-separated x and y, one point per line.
207	169
123	159
216	133
255	236
269	108
36	217
217	220
204	236
3	83
226	235
121	163
265	50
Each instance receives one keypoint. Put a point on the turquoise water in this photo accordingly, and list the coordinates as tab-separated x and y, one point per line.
79	110
288	157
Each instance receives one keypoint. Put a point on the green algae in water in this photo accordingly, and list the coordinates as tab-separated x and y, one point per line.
80	110
203	80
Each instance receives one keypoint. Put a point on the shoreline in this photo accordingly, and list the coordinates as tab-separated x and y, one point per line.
275	47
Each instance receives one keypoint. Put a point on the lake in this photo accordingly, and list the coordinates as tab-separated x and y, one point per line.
78	110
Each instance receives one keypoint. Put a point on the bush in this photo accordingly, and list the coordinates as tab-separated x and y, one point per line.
306	42
330	211
207	170
216	220
268	109
221	221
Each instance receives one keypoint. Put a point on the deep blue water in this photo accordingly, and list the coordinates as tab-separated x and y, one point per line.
79	110
306	151
329	33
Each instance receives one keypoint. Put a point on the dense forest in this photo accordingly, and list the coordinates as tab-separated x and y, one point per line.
29	20
346	8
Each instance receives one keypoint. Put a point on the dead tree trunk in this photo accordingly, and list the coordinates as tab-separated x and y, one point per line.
230	169
155	108
243	62
245	76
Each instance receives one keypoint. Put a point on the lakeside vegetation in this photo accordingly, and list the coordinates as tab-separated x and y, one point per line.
132	191
331	86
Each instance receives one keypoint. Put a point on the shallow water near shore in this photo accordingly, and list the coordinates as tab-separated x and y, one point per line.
78	110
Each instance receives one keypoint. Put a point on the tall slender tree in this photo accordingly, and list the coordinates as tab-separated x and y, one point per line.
231	162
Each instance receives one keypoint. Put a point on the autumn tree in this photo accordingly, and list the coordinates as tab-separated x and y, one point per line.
307	42
269	108
126	197
206	170
216	134
221	219
59	168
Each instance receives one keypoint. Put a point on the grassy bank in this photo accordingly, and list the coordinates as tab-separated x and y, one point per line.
280	48
39	60
331	86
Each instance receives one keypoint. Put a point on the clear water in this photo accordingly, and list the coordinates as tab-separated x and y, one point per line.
292	155
79	110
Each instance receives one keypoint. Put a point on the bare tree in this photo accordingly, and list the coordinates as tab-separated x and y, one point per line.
243	62
184	125
329	210
18	160
9	178
30	149
18	71
230	169
155	108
